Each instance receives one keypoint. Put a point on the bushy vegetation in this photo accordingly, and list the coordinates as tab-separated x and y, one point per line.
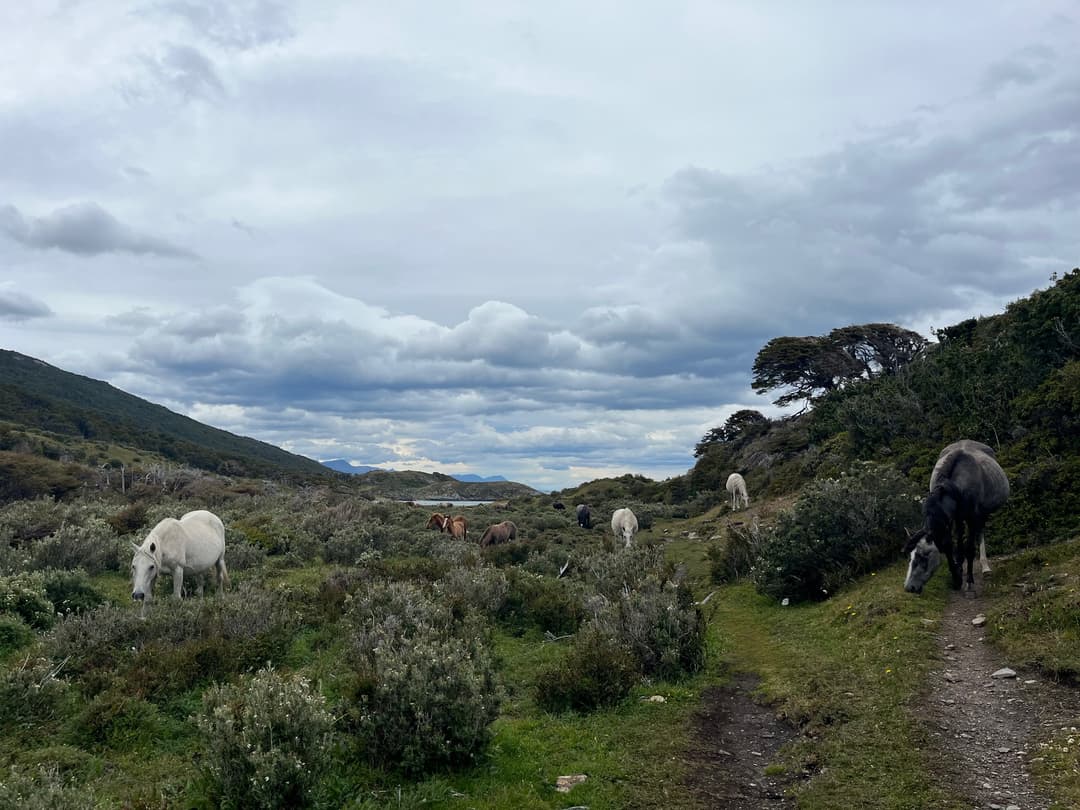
265	739
840	529
425	690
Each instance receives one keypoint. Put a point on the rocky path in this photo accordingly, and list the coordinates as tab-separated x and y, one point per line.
985	727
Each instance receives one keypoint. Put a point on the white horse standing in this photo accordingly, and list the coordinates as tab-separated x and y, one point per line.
192	544
624	524
736	486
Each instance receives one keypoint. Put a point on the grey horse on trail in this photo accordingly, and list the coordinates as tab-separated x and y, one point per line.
966	486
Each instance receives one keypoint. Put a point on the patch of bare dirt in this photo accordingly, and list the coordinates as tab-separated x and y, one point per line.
986	730
734	741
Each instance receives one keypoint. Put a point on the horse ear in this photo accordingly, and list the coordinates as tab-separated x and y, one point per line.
912	539
133	545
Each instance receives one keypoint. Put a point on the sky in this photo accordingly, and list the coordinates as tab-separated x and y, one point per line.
537	240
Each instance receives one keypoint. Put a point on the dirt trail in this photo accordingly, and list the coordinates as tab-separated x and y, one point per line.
735	739
986	729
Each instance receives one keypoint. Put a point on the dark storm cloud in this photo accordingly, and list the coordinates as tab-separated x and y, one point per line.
890	225
85	229
18	306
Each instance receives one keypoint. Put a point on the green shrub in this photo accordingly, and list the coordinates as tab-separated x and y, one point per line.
472	589
90	545
243	556
840	529
735	558
71	591
117	721
252	621
44	790
610	573
660	627
597	671
532	600
348	546
265	741
128	520
425	690
14	634
423	703
23	595
31	695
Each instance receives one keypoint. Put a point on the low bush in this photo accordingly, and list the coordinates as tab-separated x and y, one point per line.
44	789
265	740
597	671
840	529
472	589
243	556
71	591
117	721
735	558
128	520
31	695
553	605
423	703
90	545
424	692
24	595
14	634
661	628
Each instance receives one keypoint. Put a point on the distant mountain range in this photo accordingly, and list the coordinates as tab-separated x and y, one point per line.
343	466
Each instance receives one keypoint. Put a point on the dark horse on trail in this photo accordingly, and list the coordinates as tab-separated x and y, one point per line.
967	484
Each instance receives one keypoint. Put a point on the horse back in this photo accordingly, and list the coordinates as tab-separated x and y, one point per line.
974	475
200	539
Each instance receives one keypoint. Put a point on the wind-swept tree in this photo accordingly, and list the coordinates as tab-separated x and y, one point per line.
814	365
880	348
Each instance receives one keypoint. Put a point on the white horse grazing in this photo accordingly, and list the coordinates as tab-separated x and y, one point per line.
192	544
624	525
736	486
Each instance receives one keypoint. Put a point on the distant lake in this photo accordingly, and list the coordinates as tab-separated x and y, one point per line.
452	503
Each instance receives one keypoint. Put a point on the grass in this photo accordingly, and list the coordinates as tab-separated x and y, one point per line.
847	672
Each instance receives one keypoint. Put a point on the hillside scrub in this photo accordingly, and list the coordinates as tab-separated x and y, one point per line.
840	529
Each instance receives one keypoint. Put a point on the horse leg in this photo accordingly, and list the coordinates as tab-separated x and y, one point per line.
983	561
951	555
973	531
178	582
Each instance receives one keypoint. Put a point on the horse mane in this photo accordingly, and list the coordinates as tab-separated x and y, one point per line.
940	507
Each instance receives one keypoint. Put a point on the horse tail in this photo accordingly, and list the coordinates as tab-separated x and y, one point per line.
223	574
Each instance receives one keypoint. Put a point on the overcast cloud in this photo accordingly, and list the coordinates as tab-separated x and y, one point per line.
541	241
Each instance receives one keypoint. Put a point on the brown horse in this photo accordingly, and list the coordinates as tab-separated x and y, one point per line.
458	527
499	533
437	521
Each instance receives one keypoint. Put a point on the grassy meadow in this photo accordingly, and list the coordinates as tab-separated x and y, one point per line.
102	709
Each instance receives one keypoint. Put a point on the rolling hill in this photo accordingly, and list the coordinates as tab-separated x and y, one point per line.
36	395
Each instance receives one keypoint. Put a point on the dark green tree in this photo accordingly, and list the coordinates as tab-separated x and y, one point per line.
743	422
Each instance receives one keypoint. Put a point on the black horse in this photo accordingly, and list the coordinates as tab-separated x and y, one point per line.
584	516
967	484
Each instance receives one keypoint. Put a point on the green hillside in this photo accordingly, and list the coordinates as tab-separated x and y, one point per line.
35	395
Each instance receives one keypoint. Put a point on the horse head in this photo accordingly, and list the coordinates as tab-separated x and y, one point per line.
145	567
924	560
